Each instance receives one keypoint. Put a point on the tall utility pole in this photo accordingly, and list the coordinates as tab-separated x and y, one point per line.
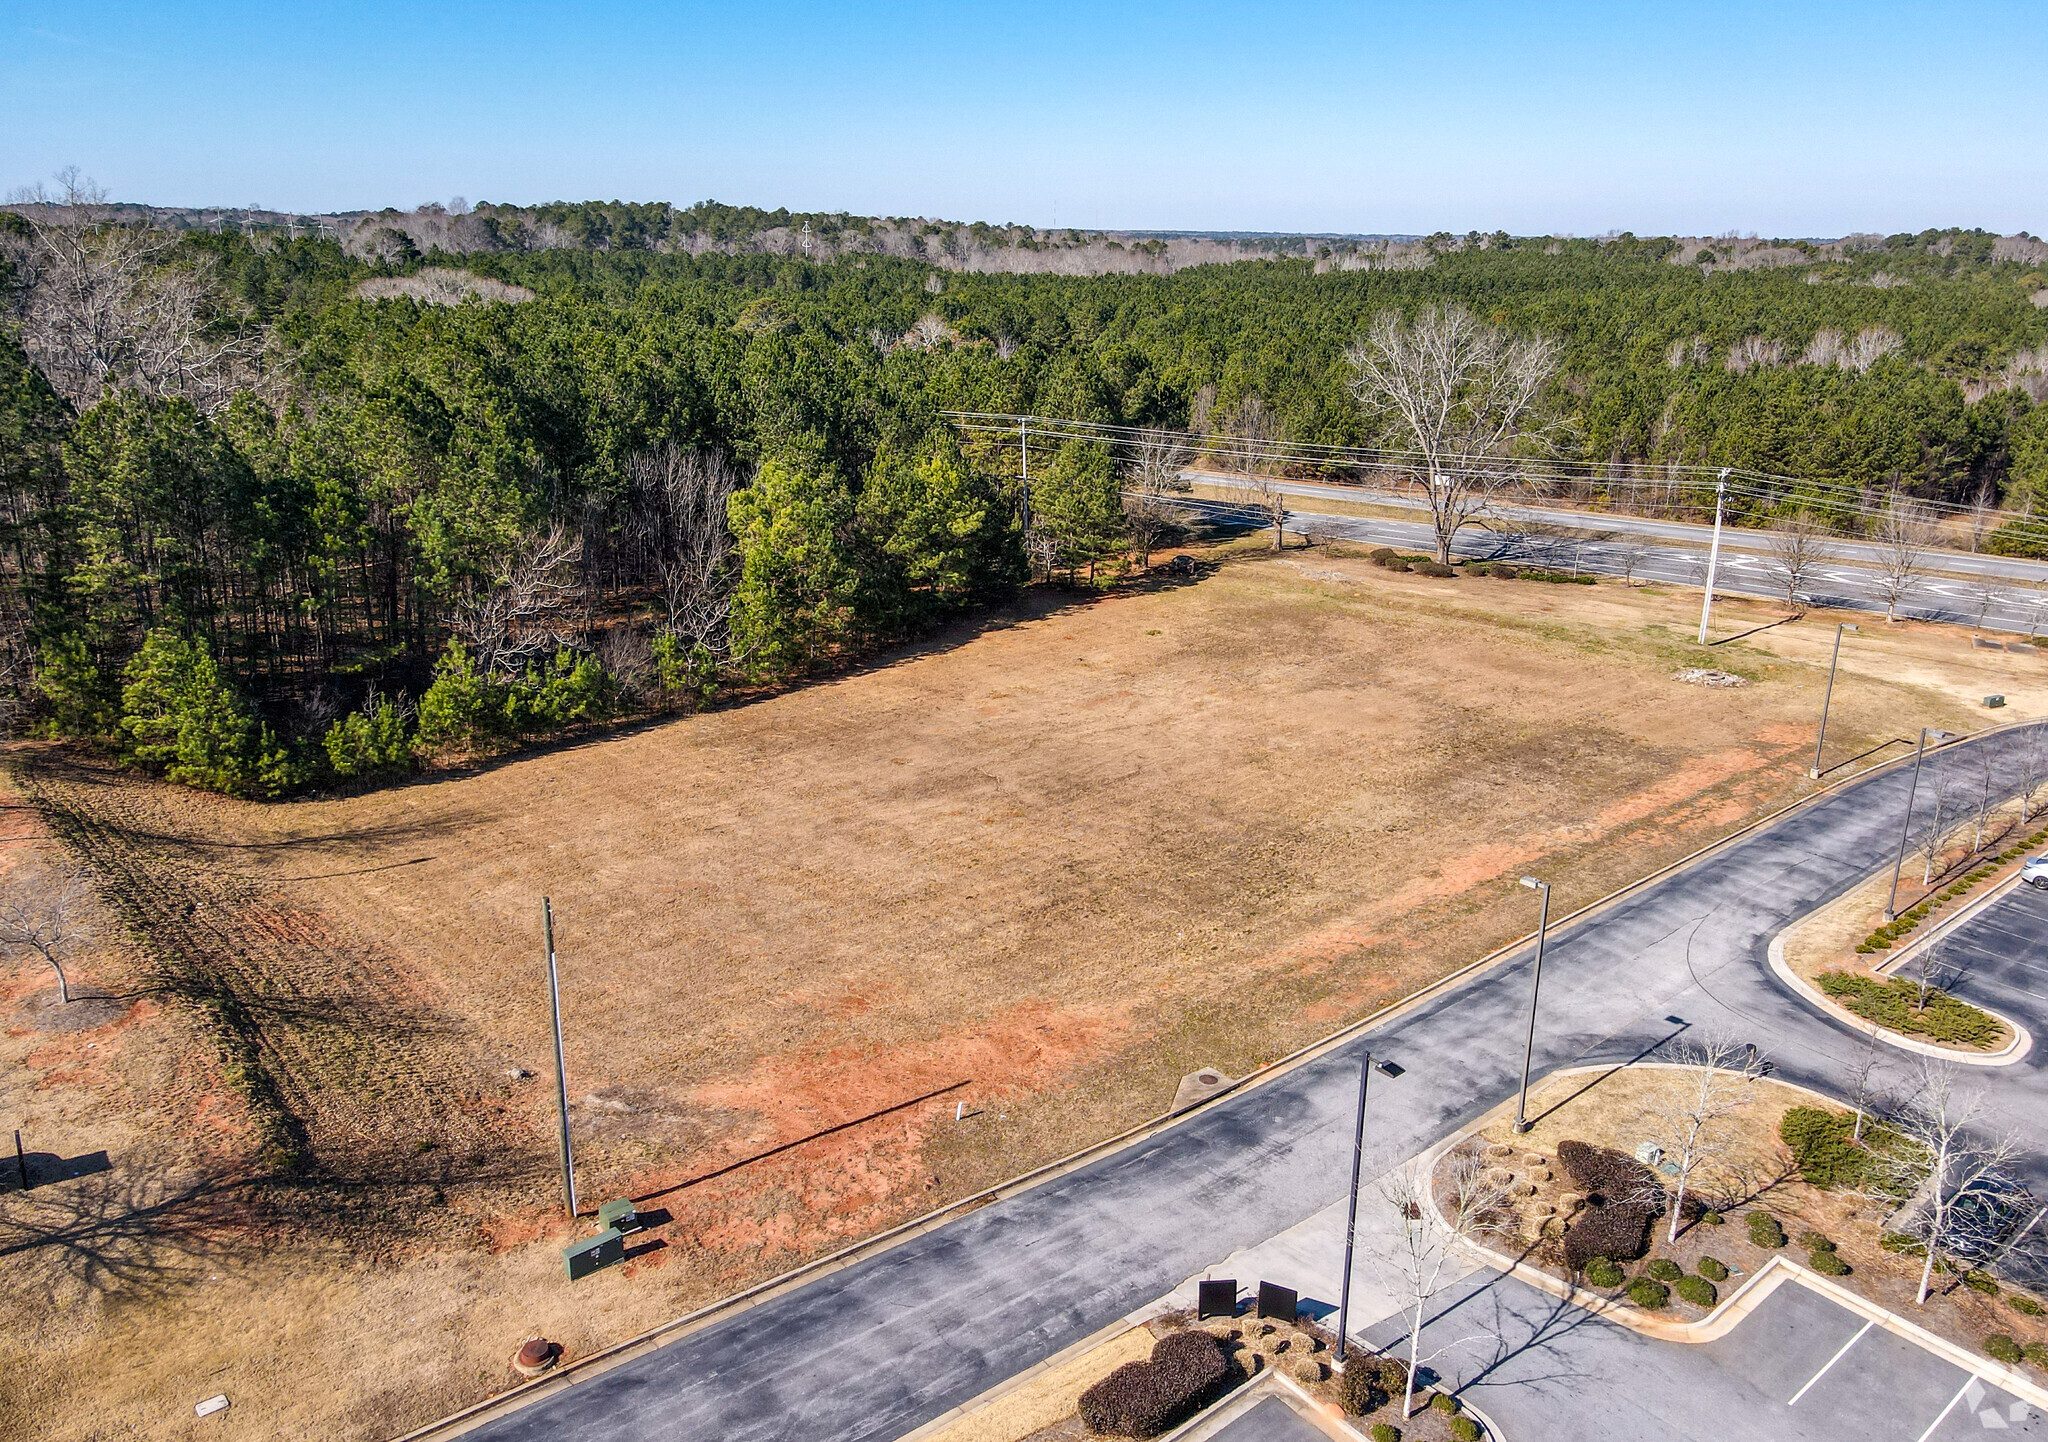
1535	990
547	912
1714	554
1891	903
1827	700
1366	1067
1024	455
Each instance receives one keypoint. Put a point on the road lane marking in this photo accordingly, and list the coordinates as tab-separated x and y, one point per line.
1968	1383
1834	1359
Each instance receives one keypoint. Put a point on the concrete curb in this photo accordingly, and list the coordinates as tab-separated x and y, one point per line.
2013	1051
1774	1273
585	1368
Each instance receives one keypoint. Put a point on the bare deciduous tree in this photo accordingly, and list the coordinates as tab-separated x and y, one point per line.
1940	788
103	306
1153	483
1460	389
691	541
2027	749
1901	536
1959	1176
1469	1199
1795	547
515	612
47	920
1247	438
1717	1080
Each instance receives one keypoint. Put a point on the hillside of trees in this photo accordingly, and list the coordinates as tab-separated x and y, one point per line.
279	512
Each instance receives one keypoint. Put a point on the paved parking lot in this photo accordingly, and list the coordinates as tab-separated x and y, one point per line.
2000	958
1798	1369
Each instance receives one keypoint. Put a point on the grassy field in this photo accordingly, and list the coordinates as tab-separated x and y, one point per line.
1044	865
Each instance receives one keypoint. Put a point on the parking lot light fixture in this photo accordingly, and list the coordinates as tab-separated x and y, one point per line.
1535	987
1891	904
1366	1067
1828	699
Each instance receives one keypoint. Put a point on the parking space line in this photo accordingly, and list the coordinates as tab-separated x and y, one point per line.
1968	1383
1834	1359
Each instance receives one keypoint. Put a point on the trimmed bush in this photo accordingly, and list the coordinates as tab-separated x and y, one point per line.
1820	1143
1663	1269
1648	1294
1368	1382
1698	1291
1616	1232
1713	1269
1764	1230
1829	1264
1143	1399
2001	1348
1894	1003
1444	1402
1711	1219
1382	554
1464	1429
2036	1353
1600	1272
1904	1243
1306	1370
1431	568
1623	1197
1503	571
1815	1242
1982	1282
1478	568
1385	1432
2023	1304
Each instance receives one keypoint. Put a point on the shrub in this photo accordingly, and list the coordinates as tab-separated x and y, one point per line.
1306	1370
1396	563
179	716
2036	1353
2023	1304
1478	568
1600	1272
1445	1403
1143	1399
1368	1382
1893	1003
2002	1348
1506	572
1623	1198
1829	1264
371	742
1648	1294
1385	1432
1902	1242
1617	1231
1464	1429
1711	1218
1663	1269
1713	1269
1431	568
1764	1230
1815	1242
1382	554
1982	1282
1819	1140
1698	1291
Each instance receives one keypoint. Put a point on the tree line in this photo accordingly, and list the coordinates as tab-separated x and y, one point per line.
262	535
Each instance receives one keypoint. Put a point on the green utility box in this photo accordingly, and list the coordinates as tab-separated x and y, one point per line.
1994	701
619	1214
600	1251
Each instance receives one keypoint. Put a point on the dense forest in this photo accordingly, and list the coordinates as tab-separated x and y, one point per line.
279	515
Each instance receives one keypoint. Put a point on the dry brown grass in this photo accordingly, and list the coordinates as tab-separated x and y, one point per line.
1062	859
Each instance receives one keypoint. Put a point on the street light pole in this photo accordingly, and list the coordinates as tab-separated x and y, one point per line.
547	912
1828	700
1713	554
1906	826
1366	1067
1535	986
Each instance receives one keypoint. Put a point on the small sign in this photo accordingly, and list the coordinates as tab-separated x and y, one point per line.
1216	1299
1278	1302
210	1406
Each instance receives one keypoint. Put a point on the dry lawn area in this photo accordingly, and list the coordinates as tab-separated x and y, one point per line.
1042	866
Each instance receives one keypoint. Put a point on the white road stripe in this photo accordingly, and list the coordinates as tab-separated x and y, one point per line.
1968	1382
1831	1362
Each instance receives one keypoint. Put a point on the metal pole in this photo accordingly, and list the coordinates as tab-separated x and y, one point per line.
1713	556
547	911
1905	829
1828	700
1535	986
1351	1207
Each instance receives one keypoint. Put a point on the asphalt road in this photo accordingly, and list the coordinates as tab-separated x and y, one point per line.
2008	607
1798	1369
1687	534
875	1349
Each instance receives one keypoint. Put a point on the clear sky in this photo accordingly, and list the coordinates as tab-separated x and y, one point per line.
1784	119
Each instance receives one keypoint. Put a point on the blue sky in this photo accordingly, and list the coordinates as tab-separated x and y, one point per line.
1786	120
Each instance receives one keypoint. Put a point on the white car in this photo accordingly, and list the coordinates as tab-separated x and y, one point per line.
2035	872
